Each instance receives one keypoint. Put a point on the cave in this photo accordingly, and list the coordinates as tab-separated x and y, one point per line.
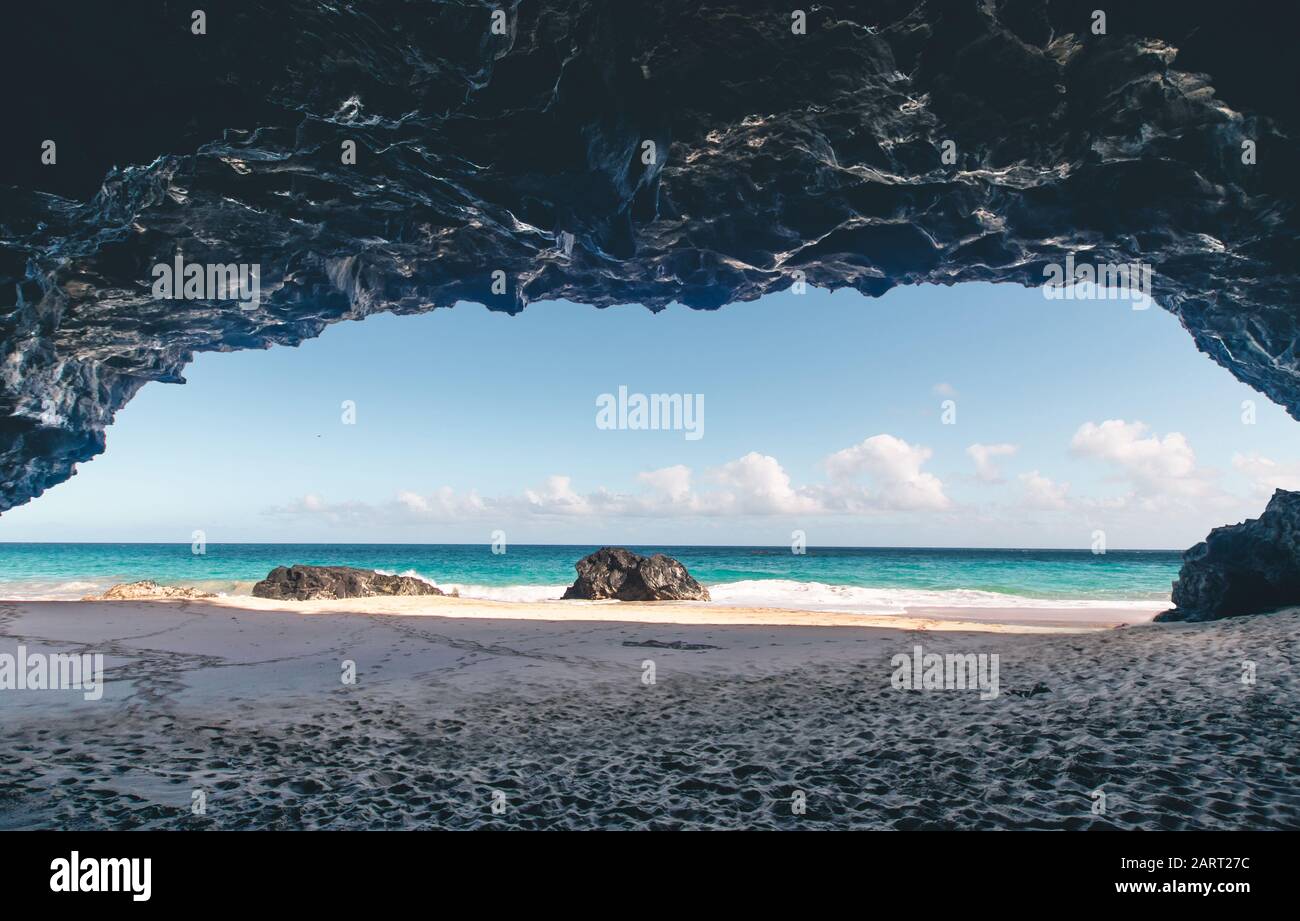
338	591
407	156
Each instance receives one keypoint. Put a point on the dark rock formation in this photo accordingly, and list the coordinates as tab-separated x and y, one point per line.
1246	568
311	583
613	572
774	154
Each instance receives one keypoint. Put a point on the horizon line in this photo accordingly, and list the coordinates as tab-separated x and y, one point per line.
289	543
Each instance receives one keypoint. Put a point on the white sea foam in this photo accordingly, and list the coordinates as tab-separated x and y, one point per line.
761	593
818	596
37	590
507	592
490	592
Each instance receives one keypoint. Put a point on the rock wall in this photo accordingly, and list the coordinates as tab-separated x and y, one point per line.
1247	568
890	143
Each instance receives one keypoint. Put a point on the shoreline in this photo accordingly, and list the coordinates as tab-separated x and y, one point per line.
994	620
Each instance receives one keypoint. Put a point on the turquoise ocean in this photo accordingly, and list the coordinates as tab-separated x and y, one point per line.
870	580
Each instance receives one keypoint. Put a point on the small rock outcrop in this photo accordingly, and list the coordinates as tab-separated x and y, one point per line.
614	572
312	583
1246	568
146	590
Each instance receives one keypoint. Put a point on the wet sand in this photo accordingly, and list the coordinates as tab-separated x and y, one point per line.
461	705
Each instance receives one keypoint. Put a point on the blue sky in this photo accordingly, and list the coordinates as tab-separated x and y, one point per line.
822	412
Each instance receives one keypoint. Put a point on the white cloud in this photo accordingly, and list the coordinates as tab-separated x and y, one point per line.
1042	492
983	456
1266	475
755	484
442	503
1123	443
883	474
557	497
413	501
673	482
944	389
894	469
1157	469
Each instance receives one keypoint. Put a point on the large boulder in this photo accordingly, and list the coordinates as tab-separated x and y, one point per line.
613	572
311	583
1245	568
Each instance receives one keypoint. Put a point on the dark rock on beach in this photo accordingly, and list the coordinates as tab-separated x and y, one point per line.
1246	568
614	572
310	583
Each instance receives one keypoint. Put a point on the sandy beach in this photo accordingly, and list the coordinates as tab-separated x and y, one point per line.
458	705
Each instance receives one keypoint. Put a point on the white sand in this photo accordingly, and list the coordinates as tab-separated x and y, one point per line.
545	705
1010	620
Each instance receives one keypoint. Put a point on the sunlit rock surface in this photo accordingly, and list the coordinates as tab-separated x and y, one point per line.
148	590
775	153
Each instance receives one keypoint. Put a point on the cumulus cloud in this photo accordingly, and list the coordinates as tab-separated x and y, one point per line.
442	503
674	483
983	456
756	484
557	496
1157	469
1042	492
882	473
1266	475
894	469
1124	443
